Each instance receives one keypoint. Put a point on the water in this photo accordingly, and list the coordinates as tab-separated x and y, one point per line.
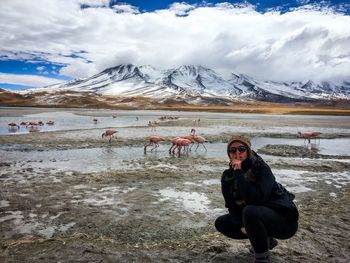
225	122
70	121
339	146
114	157
132	124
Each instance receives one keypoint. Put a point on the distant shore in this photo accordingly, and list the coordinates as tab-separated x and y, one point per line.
85	100
257	109
280	109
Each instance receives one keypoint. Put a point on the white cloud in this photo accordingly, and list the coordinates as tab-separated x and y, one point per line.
123	8
40	68
27	80
298	45
181	9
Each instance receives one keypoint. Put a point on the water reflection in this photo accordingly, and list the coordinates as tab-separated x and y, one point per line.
109	150
313	147
13	130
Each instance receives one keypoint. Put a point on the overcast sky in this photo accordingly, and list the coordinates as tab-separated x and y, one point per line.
46	41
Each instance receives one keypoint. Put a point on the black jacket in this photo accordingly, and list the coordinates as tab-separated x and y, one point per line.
256	185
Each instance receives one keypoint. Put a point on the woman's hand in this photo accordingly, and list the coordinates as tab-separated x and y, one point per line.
240	202
235	164
243	230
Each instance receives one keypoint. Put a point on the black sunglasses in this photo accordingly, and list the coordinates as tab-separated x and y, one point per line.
240	149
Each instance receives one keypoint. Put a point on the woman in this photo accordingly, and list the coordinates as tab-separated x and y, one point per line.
259	208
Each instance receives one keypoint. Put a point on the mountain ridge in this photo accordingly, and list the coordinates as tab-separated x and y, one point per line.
196	83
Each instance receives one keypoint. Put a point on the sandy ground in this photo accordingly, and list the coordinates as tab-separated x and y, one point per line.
158	209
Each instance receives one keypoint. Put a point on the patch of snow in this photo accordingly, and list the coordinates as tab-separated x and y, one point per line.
4	203
190	201
333	195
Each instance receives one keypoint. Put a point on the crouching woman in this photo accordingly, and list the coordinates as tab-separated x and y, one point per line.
259	208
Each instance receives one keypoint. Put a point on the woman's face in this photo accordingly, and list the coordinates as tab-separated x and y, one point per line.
238	151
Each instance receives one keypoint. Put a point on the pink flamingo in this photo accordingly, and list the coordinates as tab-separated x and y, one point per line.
181	142
196	122
32	126
50	122
32	123
153	140
198	139
153	125
309	135
190	137
173	143
13	127
109	133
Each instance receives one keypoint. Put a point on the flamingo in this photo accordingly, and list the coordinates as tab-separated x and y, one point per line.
153	125
196	122
50	122
198	139
13	127
181	142
32	126
155	141
173	143
190	136
309	135
32	123
109	133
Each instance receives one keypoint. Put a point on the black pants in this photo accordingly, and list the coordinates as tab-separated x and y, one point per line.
260	223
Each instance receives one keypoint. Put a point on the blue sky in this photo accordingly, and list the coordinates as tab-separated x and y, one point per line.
269	40
262	6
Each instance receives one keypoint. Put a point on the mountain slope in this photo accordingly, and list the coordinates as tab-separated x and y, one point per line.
197	84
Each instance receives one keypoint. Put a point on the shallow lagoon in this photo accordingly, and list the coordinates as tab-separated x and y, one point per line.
114	157
210	122
133	124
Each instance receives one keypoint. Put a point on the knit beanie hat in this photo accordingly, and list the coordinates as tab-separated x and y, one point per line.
243	139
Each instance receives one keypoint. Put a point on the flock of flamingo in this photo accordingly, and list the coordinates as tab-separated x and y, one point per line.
31	126
179	143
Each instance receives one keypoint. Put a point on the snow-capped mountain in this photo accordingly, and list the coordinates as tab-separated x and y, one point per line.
196	83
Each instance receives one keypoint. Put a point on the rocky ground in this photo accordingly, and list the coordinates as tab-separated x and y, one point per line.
158	209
